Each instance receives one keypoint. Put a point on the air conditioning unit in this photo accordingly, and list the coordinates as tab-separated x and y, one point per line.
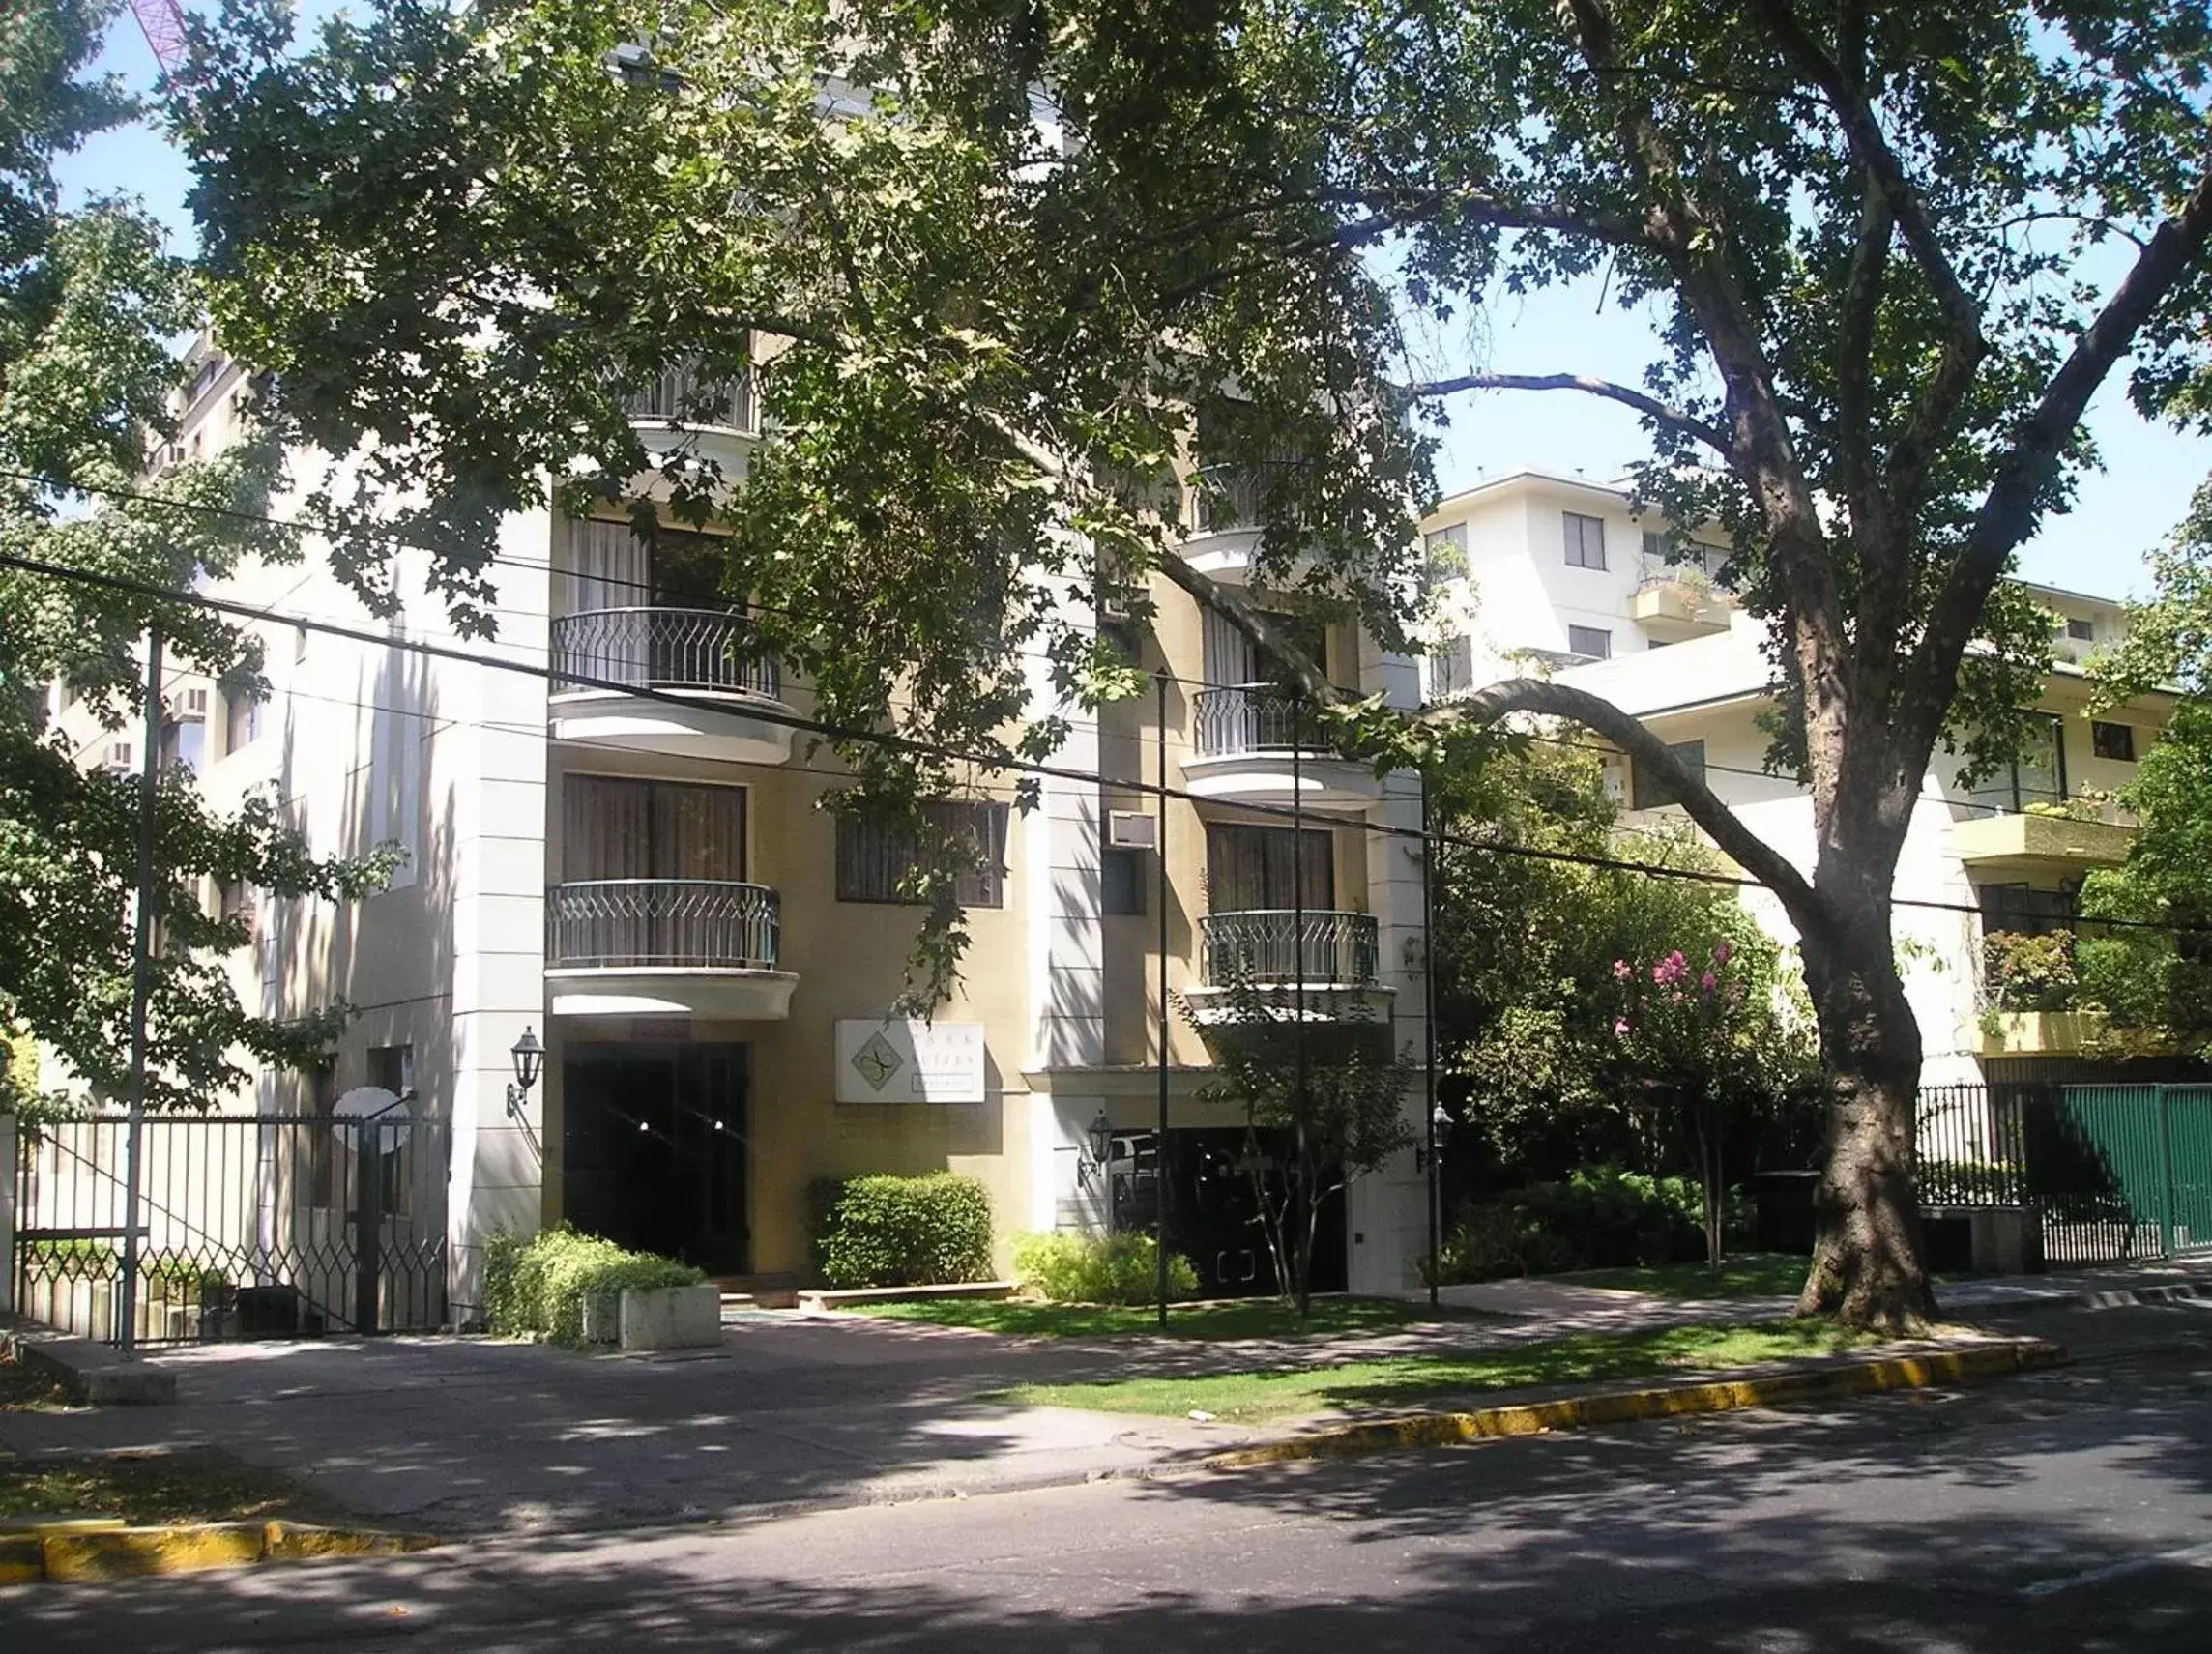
188	704
1132	829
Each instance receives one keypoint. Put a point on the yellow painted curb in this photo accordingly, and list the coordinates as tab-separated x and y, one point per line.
1658	1401
64	1551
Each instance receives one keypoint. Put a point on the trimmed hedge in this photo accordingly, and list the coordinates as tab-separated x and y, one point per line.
1099	1268
901	1232
536	1288
1599	1218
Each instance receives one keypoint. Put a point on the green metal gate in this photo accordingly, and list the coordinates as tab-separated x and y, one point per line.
2132	1159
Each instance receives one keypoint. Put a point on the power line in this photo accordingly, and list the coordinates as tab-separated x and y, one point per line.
940	752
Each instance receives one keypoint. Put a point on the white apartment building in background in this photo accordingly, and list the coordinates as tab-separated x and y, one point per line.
1561	575
641	877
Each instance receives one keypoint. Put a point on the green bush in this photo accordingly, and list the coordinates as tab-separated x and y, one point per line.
1099	1268
901	1232
536	1288
1599	1218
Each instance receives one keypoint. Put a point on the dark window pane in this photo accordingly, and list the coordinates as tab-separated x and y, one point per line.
1586	540
1250	868
875	858
2113	740
1594	641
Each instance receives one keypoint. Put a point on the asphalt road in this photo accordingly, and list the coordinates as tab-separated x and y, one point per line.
2070	1510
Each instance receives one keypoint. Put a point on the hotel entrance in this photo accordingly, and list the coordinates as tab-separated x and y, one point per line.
653	1146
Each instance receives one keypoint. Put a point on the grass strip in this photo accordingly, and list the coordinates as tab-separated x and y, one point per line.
1251	1318
198	1485
1760	1275
1364	1386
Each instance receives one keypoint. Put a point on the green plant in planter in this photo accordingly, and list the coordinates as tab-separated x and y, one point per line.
536	1288
2023	972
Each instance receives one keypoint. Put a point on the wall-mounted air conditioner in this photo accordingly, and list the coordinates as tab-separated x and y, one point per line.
186	705
1132	829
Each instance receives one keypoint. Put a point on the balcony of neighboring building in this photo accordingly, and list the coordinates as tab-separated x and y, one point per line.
2029	991
653	914
1257	743
646	659
2027	819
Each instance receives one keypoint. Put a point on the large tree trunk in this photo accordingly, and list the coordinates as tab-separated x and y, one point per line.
1869	1268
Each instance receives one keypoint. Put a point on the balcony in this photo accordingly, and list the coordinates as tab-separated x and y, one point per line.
1675	607
2028	843
679	410
1255	744
2037	1033
1325	955
700	947
707	658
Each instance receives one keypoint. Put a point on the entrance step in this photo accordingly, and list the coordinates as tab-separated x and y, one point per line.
769	1292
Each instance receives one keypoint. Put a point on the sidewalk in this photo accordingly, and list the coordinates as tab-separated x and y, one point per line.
471	1434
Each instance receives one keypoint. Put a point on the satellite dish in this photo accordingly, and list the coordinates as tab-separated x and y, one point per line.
371	1102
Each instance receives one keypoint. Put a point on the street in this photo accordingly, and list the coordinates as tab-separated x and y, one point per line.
2069	1509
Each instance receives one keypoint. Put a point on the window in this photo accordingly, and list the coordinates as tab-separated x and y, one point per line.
184	744
1445	551
2084	631
2113	740
2037	777
1648	793
614	827
1586	542
2023	909
1250	868
241	718
1122	880
875	858
1451	667
1594	641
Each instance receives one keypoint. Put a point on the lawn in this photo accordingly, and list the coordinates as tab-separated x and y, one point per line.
1366	1385
1758	1275
1249	1317
146	1488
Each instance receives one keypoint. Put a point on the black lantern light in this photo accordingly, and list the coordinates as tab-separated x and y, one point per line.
1099	1141
528	1056
1440	1126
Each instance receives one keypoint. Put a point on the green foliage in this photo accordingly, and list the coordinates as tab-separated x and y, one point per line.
536	1288
1598	1217
2029	972
1120	1268
901	1232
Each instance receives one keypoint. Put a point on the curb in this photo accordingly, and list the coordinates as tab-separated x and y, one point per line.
2107	1298
1657	1401
77	1550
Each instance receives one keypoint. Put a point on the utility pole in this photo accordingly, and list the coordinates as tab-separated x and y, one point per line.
141	989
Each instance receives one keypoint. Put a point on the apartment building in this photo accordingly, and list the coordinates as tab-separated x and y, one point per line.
1561	575
637	873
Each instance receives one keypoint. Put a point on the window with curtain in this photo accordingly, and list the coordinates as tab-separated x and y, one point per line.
1249	868
611	565
616	827
874	858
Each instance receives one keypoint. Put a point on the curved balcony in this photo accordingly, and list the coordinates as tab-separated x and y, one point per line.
1242	745
1325	955
714	421
704	947
707	657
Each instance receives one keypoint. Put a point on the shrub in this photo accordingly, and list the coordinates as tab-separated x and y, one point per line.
2023	972
901	1232
1600	1217
1099	1268
536	1288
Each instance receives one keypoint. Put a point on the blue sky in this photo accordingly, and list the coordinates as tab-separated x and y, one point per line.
2149	472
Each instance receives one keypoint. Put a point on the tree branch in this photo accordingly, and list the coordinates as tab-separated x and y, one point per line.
2014	501
1753	854
1650	407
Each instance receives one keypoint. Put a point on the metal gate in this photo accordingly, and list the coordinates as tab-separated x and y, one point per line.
2112	1172
249	1226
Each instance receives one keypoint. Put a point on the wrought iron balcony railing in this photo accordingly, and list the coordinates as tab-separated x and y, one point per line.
665	648
1281	944
1254	718
662	924
681	397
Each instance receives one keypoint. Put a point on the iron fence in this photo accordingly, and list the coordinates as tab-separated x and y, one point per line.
681	396
2110	1173
1252	717
665	648
249	1226
1282	945
662	923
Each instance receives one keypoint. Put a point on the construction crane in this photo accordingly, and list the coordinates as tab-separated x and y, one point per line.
163	22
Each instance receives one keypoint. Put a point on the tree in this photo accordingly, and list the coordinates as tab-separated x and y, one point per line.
1014	265
88	300
1321	1094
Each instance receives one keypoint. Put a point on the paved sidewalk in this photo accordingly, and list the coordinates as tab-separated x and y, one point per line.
477	1434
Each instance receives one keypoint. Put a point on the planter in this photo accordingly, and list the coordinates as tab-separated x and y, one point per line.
2038	1033
671	1318
602	1318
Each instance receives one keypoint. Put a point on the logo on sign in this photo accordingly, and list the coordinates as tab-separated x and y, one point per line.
878	1061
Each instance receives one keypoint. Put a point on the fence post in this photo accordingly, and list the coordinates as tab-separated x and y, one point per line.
368	1223
2165	1177
7	1212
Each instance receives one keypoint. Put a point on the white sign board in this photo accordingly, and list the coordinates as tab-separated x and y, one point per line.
907	1062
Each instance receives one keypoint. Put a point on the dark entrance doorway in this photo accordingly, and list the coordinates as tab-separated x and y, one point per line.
652	1143
1213	1210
